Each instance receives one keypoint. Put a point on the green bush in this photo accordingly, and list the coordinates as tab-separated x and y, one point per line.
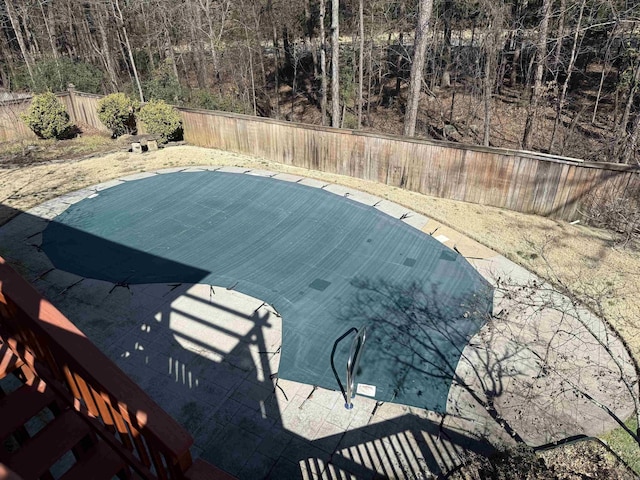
350	121
47	117
162	120
117	112
200	98
53	75
163	85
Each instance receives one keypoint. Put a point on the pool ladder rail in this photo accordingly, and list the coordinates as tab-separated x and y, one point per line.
357	345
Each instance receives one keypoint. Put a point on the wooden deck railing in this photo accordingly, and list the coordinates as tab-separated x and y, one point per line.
150	441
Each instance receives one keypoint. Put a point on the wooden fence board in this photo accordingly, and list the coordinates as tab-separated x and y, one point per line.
521	181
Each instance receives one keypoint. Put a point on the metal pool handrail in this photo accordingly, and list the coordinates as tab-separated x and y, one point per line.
352	363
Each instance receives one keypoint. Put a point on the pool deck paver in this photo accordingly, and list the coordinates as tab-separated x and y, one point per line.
209	356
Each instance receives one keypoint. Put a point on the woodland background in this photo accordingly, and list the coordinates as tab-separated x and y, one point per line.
555	76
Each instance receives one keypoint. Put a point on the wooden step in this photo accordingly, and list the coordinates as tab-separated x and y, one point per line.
99	463
8	361
202	470
20	406
36	456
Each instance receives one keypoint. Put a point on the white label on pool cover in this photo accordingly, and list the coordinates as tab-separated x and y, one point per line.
368	390
442	238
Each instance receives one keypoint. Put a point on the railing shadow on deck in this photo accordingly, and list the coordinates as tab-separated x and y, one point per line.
230	404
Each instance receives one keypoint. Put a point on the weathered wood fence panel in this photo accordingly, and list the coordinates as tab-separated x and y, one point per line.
82	109
522	181
11	126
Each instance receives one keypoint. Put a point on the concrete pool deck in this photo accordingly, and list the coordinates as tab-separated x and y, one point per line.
207	355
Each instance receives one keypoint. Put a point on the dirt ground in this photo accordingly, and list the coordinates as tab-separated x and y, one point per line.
585	459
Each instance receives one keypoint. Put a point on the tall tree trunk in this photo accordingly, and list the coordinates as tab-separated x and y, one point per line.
518	7
335	64
5	53
276	57
196	45
48	18
398	62
495	15
628	135
17	29
308	30
612	36
258	44
487	82
323	65
288	51
251	75
360	61
630	99
128	44
559	42
52	44
541	54
417	66
169	52
101	17
370	70
447	16
149	35
26	17
276	68
631	142
565	85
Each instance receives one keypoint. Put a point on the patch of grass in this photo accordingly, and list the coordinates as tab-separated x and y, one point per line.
21	147
622	443
81	146
35	151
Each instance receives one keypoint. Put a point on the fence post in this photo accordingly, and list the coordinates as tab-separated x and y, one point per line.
71	88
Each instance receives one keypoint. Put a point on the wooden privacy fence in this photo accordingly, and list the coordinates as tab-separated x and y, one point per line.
80	106
516	180
11	126
525	182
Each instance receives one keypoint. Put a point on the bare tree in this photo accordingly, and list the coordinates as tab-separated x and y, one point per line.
565	85
360	59
13	18
323	65
335	63
495	17
120	20
425	8
541	56
105	50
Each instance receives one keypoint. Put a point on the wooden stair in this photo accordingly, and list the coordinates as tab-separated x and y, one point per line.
67	411
8	361
64	430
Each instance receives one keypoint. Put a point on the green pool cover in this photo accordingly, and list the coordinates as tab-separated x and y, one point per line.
325	262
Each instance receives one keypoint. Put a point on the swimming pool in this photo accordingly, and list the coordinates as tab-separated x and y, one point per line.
325	262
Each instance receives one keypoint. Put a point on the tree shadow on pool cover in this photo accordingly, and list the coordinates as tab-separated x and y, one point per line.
424	336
